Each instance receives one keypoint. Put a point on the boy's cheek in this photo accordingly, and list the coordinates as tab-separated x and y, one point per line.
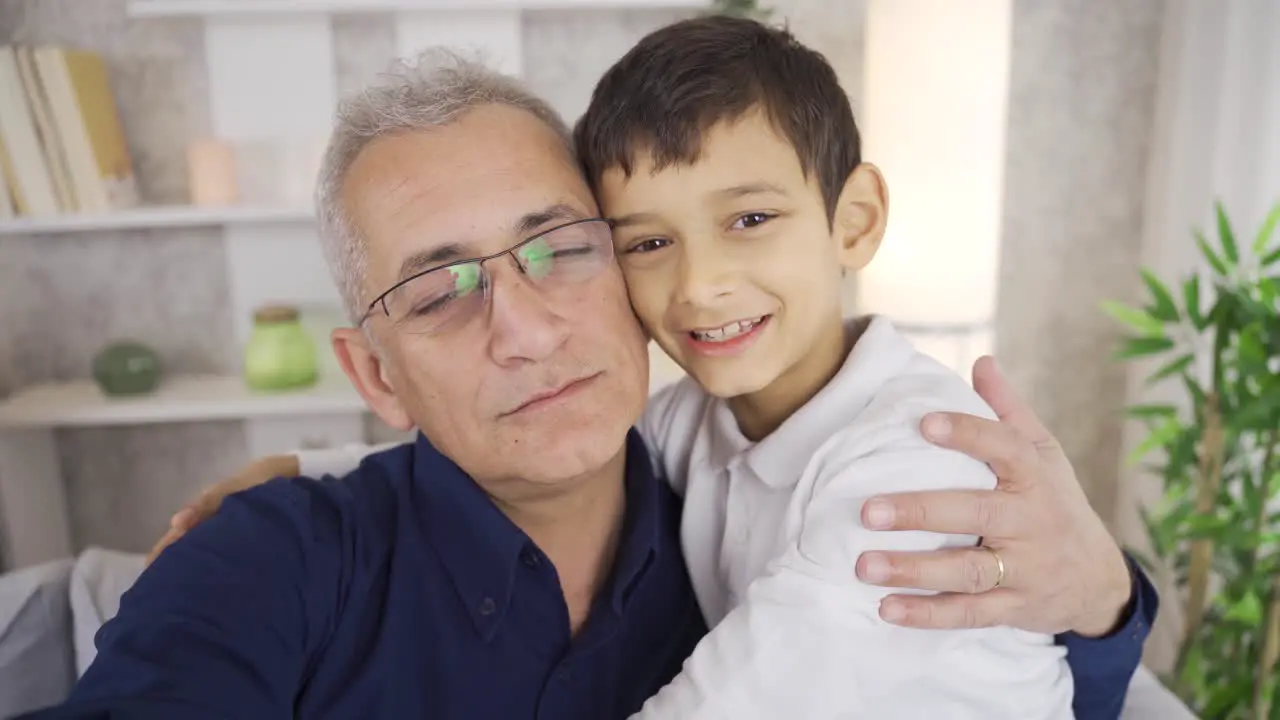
645	302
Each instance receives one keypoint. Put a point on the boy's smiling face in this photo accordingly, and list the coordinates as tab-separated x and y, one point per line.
731	263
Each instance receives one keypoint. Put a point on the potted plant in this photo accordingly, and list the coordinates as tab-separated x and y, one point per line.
1217	527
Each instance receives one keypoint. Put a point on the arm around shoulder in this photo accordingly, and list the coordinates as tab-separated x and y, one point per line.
223	624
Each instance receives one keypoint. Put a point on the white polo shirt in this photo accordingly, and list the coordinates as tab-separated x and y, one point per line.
771	533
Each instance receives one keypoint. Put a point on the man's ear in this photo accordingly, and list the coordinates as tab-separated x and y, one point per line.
860	216
367	372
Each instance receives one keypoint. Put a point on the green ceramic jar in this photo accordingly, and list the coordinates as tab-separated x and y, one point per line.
280	355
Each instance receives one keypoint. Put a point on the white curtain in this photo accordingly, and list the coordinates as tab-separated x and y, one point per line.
1216	137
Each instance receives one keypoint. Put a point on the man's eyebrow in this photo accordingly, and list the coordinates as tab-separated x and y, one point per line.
449	252
425	259
531	222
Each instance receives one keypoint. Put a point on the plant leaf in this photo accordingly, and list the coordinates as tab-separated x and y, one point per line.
1191	298
1226	236
1164	309
1270	258
1264	233
1151	411
1171	368
1247	610
1136	319
1141	346
1210	256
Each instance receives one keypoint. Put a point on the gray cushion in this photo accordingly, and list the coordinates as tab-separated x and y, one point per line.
99	579
37	661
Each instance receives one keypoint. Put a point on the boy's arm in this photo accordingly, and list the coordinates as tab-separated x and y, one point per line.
221	624
807	640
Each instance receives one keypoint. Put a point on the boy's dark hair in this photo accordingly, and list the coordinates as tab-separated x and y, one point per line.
664	95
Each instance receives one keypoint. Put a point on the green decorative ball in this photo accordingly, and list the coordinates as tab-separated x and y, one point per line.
126	368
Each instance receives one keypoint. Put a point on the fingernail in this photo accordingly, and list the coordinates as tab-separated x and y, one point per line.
875	568
878	514
892	611
936	427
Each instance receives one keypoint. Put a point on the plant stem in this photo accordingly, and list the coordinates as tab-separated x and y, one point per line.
1201	563
1268	655
1264	493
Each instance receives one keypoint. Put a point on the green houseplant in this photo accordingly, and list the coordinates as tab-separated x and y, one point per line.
1217	527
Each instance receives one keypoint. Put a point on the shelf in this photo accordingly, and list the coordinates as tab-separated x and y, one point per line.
168	8
188	398
192	398
152	218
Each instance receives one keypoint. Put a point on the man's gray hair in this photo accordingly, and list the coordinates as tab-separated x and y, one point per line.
432	90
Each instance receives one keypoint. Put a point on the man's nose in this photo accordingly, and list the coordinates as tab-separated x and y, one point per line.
523	324
705	274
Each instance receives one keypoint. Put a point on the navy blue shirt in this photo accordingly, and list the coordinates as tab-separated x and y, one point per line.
401	591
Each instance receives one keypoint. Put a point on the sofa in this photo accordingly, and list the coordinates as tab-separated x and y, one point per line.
50	613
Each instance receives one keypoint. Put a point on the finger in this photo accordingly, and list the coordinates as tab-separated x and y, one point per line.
984	513
183	520
990	383
950	611
1010	454
954	570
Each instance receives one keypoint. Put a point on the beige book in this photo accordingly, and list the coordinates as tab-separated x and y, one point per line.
29	178
6	198
88	122
50	141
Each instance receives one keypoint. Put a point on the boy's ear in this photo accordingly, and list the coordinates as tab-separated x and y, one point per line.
861	213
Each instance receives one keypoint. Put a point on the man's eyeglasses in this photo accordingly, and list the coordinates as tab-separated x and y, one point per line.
449	295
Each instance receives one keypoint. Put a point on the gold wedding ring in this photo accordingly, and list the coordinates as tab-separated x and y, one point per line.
999	565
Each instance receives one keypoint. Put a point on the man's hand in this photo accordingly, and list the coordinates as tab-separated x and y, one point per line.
208	502
1062	569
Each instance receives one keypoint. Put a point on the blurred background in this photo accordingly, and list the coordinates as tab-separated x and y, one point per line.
158	263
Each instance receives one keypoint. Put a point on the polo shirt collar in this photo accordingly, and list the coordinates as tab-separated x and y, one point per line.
481	548
781	457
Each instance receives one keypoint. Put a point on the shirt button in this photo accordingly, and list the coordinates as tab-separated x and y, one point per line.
530	558
488	606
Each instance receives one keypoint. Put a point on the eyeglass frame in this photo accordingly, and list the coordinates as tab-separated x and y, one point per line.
381	299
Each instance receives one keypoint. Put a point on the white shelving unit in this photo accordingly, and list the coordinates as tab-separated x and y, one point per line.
191	398
171	8
158	217
270	79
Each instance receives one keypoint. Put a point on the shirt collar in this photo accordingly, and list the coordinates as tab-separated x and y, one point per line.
781	457
481	548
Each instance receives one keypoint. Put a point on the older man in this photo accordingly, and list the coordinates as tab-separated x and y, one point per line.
520	559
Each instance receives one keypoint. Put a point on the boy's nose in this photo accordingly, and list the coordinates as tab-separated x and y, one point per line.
704	279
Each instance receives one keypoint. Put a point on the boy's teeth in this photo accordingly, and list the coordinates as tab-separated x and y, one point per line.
726	332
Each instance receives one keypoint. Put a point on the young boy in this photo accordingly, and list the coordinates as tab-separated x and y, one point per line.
727	156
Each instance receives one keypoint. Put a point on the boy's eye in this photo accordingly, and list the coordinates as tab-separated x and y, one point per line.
750	220
649	245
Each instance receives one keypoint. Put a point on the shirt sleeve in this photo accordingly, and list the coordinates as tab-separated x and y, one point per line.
336	462
1103	667
807	641
222	624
